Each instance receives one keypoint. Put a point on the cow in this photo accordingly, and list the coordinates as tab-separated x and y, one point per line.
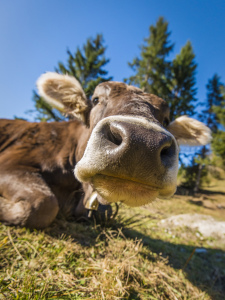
118	147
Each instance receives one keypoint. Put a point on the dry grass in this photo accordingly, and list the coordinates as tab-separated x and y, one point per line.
37	266
132	258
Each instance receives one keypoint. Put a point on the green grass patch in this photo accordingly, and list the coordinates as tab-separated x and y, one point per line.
133	257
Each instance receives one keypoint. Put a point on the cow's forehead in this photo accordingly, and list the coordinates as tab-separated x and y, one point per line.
116	89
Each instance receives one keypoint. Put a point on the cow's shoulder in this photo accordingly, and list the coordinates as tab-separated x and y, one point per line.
38	144
10	131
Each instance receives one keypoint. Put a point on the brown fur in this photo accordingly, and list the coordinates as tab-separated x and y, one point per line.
37	160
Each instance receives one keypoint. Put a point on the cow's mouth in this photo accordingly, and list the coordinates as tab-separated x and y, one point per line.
130	192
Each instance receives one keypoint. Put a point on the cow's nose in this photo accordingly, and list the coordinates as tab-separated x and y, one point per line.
167	150
115	134
132	143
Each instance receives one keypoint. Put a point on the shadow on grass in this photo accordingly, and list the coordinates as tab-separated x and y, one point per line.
201	203
184	191
205	268
207	192
84	232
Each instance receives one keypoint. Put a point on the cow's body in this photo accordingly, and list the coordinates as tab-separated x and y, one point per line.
38	159
129	157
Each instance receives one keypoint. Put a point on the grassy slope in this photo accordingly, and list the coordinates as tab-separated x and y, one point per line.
134	257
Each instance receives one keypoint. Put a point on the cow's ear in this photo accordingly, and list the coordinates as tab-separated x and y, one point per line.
189	131
64	93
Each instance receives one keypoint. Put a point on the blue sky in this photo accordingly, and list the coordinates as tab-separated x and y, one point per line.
34	36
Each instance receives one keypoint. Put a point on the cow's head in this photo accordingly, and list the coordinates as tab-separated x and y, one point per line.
132	150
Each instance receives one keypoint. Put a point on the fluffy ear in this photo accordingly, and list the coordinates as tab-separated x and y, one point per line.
64	93
189	131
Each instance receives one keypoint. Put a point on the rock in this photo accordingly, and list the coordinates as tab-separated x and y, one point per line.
206	225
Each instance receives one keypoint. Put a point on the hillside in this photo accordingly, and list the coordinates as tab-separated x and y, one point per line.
136	256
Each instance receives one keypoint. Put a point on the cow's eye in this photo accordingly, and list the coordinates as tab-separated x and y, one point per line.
95	100
165	122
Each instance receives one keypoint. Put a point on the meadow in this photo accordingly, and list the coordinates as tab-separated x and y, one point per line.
132	257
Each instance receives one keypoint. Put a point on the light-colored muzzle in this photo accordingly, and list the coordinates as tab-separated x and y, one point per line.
130	159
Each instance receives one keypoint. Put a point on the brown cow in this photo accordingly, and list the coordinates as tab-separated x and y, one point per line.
121	146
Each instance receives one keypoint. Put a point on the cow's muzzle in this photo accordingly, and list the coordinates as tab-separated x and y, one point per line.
130	159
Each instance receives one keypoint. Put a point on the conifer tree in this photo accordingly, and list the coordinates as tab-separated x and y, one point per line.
218	145
87	65
211	117
173	80
218	142
152	69
183	90
213	102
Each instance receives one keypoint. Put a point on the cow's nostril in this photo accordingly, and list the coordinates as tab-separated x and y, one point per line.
165	151
167	154
113	135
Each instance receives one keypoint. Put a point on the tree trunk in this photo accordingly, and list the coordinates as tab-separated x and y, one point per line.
196	188
200	168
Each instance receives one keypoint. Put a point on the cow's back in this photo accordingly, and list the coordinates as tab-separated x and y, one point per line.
39	145
10	131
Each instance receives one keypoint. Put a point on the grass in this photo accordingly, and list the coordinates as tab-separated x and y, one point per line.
134	257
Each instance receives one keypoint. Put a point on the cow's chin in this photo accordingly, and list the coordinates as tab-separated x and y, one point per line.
113	189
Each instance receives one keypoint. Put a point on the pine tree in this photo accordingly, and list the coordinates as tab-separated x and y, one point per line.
210	116
183	89
213	102
218	146
152	70
172	80
218	142
87	65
